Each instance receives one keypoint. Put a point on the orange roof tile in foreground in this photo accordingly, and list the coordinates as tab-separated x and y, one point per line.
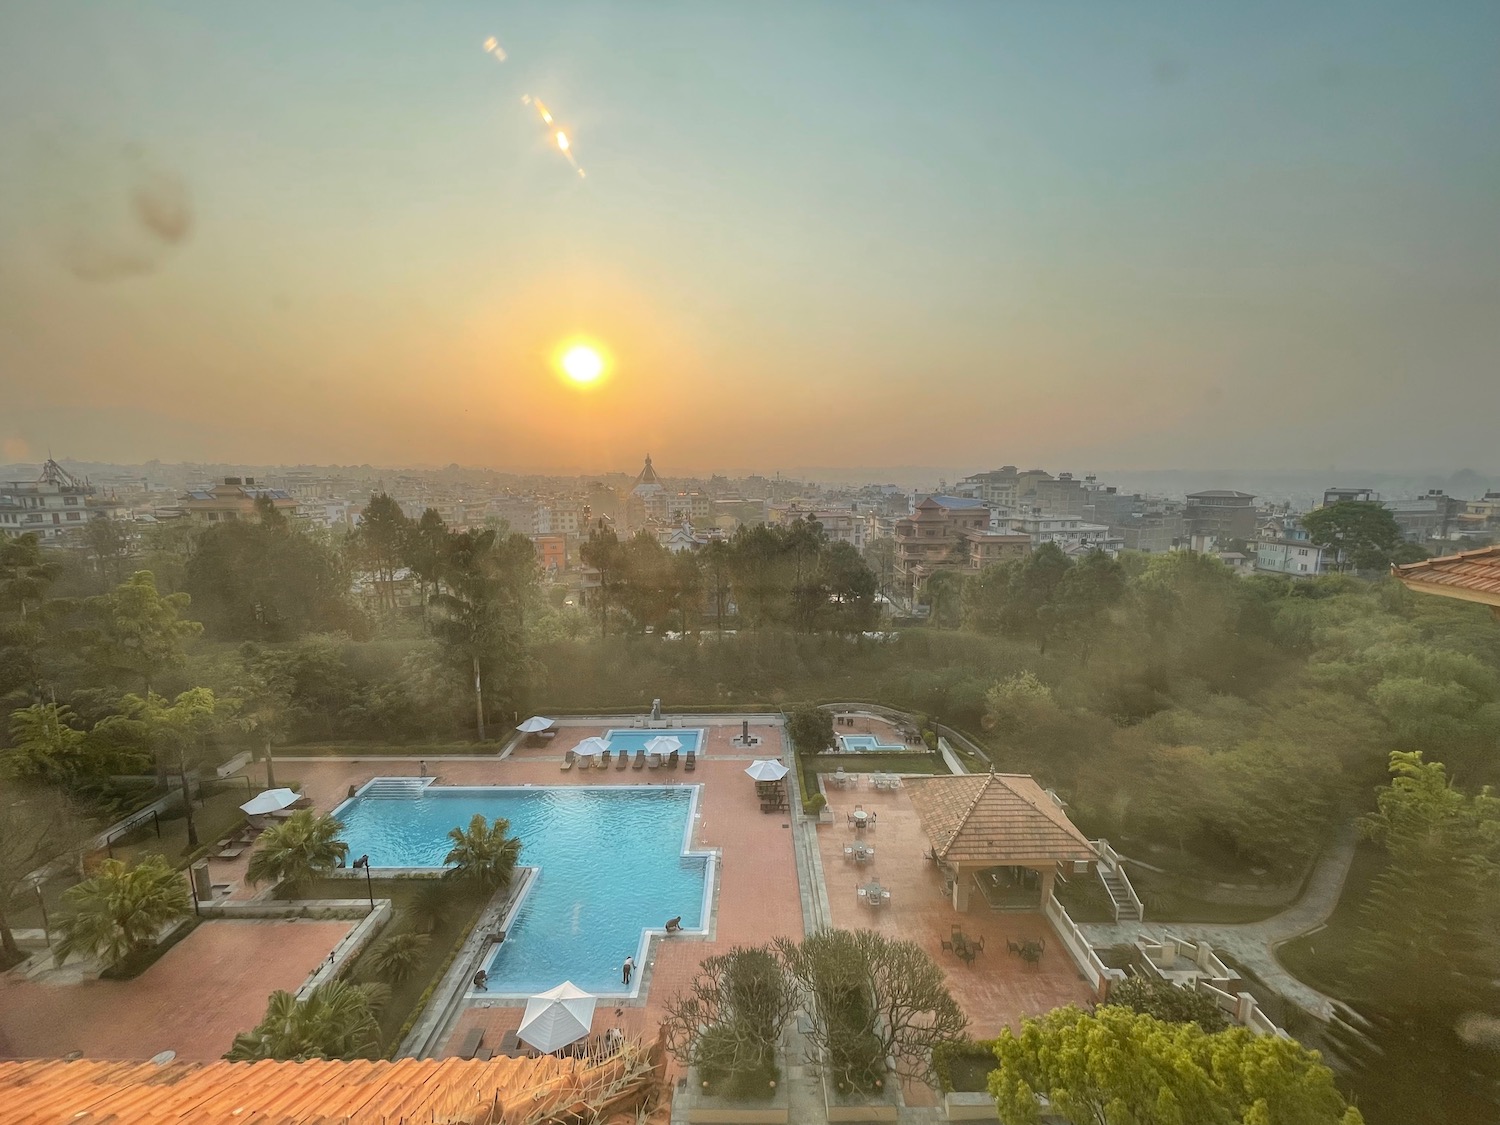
994	819
43	1092
1471	576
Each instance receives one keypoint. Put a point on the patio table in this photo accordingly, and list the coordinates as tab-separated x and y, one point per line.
874	894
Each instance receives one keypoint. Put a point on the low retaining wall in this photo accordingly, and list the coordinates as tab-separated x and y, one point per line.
371	922
970	1107
1099	975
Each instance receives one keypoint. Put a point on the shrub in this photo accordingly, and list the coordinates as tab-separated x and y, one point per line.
398	957
1168	1003
811	729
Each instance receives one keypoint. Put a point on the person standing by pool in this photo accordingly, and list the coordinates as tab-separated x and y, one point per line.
627	969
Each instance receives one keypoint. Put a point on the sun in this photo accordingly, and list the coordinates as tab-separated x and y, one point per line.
582	364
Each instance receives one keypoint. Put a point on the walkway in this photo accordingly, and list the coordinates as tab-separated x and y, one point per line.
1253	944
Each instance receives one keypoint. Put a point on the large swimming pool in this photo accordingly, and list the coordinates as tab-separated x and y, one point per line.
613	862
629	740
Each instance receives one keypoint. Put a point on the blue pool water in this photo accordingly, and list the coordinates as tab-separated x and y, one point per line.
630	741
865	744
611	863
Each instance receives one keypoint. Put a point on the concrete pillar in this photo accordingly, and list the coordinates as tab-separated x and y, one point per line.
1049	877
961	891
1243	1008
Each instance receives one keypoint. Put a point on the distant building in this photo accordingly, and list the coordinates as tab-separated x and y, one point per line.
551	553
949	533
234	500
646	500
1284	547
1432	516
1067	531
1348	495
49	507
1220	515
841	525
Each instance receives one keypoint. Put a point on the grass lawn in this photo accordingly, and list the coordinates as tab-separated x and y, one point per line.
1085	899
462	908
1168	898
218	816
1321	958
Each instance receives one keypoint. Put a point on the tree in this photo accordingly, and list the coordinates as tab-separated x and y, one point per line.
110	544
383	535
847	587
479	616
121	910
424	549
484	854
267	579
175	732
45	745
1019	704
1119	1066
730	1021
1088	589
35	829
398	957
25	574
1432	918
811	729
872	999
1168	1003
336	1021
604	553
263	702
944	592
137	632
716	570
303	847
1364	533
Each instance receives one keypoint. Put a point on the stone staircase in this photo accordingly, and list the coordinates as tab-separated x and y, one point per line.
1127	903
403	788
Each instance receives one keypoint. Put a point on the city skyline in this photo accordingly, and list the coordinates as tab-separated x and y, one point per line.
1117	241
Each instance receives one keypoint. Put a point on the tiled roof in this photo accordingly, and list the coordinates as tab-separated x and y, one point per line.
87	1092
995	818
1470	576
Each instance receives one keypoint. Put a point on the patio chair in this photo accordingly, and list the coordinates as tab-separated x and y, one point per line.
946	944
848	851
624	761
672	759
690	763
568	761
1012	947
640	760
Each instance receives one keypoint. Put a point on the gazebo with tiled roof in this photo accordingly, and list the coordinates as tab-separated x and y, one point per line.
981	821
1470	576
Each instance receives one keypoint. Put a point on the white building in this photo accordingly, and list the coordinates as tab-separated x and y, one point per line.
1069	532
49	507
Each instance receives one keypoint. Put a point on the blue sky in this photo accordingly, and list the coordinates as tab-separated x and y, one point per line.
1090	235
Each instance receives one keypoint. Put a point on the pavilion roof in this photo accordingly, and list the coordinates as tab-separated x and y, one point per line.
1471	576
995	819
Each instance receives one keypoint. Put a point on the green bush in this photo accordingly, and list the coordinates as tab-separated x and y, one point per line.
810	729
964	1065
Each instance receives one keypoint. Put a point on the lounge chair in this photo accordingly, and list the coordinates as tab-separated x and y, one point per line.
653	761
569	759
471	1044
624	761
690	763
640	760
672	760
604	760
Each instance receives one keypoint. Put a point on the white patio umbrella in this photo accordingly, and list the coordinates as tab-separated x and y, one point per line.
766	769
272	800
535	724
591	746
557	1017
664	744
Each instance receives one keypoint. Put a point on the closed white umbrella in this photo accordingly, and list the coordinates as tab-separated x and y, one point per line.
272	800
591	746
536	724
664	744
766	769
557	1017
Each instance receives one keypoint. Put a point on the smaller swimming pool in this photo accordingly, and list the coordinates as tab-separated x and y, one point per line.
629	740
866	744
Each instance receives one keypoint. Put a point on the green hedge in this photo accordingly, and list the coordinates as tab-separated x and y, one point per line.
964	1067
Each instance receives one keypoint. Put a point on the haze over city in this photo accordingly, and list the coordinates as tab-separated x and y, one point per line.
815	236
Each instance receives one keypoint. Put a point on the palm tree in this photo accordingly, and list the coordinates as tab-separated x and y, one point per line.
397	958
336	1021
298	850
121	909
484	854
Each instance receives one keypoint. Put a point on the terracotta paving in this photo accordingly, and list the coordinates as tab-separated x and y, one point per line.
210	986
998	989
717	738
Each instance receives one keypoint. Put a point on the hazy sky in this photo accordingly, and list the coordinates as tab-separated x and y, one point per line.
1083	235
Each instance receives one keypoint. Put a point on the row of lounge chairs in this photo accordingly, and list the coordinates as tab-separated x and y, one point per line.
688	760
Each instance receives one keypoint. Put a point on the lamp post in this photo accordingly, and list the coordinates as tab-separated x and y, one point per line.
364	862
